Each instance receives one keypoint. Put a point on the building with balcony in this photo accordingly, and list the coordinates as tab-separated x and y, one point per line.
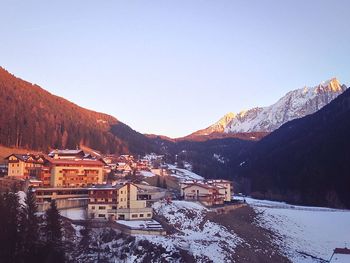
225	187
65	197
117	202
208	195
75	172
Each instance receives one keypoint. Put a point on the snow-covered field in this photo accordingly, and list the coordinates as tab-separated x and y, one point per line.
74	213
315	231
201	238
184	173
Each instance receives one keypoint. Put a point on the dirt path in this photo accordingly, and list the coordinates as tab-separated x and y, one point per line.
258	246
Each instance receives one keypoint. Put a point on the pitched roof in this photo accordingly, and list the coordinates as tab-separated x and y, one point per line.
66	152
25	157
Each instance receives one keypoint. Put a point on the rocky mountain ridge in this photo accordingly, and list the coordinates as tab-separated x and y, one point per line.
295	104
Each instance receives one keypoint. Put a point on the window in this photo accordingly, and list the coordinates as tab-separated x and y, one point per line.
141	215
114	207
134	216
101	207
149	215
93	207
101	215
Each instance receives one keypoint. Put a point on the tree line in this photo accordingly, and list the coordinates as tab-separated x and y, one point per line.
26	236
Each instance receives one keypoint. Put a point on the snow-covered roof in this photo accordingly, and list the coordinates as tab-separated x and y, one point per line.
66	152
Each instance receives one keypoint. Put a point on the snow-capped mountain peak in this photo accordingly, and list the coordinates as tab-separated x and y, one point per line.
295	104
219	126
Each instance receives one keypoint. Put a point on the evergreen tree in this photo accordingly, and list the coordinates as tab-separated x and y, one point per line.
29	227
3	227
10	237
86	238
53	231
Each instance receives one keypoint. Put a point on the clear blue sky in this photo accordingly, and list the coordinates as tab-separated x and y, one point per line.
172	67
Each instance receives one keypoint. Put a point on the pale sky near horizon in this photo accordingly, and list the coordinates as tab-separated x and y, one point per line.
173	67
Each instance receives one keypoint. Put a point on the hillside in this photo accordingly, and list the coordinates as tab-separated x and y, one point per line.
306	160
32	118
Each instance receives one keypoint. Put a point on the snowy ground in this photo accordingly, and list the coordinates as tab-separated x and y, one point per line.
315	231
147	173
139	224
184	173
74	213
201	238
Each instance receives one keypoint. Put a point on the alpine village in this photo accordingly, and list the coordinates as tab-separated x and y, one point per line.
235	146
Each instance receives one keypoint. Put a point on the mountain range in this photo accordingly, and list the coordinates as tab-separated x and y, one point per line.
294	150
295	104
306	160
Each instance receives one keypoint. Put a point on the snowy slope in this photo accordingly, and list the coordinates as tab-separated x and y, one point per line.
313	231
295	104
183	173
205	240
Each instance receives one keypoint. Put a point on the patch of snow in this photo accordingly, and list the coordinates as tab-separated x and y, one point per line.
184	173
340	258
188	166
242	163
74	213
21	196
139	224
147	173
219	158
77	229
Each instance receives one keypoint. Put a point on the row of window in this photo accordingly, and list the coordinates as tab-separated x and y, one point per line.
103	207
140	215
107	200
132	216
